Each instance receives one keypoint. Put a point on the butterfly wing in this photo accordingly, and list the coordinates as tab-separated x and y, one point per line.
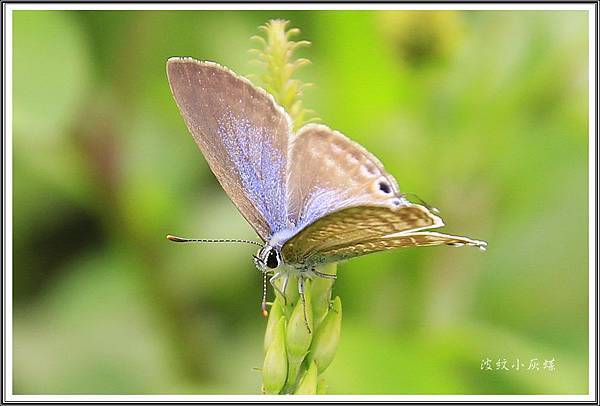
408	239
328	172
242	133
361	230
354	225
345	204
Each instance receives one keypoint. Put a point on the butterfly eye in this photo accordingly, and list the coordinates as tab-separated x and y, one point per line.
384	187
272	259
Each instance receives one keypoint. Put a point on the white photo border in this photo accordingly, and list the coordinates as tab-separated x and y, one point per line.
7	384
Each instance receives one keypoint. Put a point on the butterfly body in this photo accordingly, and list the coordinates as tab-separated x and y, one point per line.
313	196
270	257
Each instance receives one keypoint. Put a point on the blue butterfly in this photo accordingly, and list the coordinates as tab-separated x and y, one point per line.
314	196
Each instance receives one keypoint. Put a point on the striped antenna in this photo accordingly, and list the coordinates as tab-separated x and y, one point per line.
423	202
263	304
207	240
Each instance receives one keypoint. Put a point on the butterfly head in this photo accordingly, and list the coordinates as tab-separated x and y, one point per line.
268	258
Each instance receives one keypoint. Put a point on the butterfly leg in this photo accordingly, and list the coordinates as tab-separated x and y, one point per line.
286	278
301	291
323	275
272	281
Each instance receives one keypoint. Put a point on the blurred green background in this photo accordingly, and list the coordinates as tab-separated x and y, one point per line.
483	114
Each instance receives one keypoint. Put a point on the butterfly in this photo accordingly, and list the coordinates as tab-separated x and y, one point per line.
313	197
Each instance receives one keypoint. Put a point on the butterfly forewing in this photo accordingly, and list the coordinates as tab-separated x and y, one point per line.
354	225
408	239
328	172
243	135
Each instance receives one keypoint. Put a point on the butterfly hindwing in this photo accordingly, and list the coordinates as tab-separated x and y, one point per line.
243	135
353	225
329	172
408	239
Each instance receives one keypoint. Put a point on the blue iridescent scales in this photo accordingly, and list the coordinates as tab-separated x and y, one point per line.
258	165
313	197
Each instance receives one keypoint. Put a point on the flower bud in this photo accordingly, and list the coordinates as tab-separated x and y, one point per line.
327	337
274	316
321	292
321	387
291	291
298	336
308	383
275	366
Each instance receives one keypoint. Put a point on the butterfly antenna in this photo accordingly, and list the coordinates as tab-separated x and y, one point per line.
263	305
208	240
423	202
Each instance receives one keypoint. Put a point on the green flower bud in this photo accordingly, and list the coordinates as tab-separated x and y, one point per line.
308	383
274	315
276	56
322	387
275	366
298	336
327	337
321	293
291	292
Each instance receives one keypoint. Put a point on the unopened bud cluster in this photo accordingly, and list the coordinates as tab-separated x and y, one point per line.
301	338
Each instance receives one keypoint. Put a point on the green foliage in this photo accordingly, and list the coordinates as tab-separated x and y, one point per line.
490	126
